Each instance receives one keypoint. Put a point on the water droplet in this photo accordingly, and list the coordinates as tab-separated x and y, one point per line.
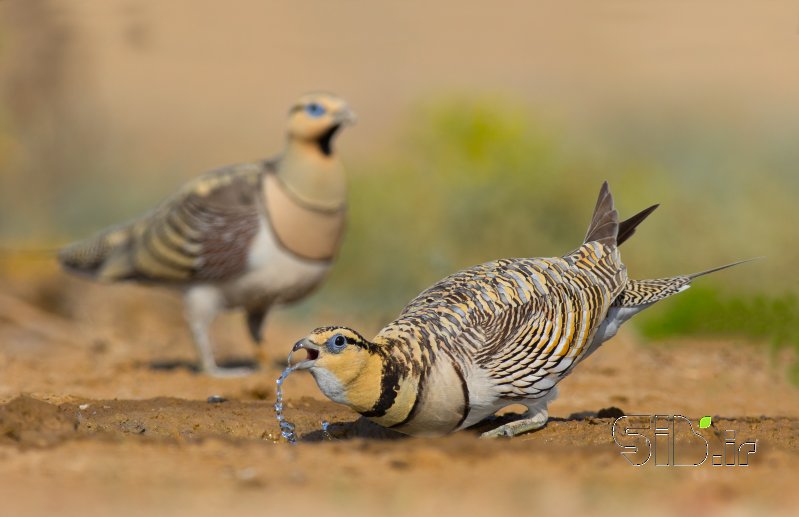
325	430
286	427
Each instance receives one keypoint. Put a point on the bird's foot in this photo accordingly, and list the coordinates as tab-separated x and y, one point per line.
517	427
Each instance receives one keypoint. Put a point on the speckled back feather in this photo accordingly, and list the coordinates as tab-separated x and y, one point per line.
202	233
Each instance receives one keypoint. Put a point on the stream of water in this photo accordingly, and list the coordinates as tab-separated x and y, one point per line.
286	427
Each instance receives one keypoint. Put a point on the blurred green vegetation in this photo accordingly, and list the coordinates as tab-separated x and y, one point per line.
476	180
771	319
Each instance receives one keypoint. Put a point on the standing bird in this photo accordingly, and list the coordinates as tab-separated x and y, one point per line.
249	235
501	333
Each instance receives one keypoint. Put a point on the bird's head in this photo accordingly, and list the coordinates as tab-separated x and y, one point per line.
317	117
342	362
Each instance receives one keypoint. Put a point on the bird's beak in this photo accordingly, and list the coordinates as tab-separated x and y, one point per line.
345	116
310	349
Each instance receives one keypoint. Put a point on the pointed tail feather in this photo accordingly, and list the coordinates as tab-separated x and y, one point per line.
642	293
604	225
98	256
720	268
627	227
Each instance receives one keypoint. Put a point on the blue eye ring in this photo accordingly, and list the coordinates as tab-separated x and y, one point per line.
336	343
315	110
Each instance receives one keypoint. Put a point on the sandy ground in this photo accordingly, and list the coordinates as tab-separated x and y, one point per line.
100	414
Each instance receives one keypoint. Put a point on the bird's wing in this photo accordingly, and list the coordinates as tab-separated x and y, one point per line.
202	233
549	311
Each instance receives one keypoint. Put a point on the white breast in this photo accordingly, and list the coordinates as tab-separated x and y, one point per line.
484	398
274	273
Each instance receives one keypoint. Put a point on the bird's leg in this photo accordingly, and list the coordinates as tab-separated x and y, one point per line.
255	320
529	422
534	418
203	303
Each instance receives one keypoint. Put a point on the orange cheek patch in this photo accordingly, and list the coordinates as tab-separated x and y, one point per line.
362	378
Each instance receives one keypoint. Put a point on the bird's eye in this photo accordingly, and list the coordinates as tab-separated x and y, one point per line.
336	343
315	110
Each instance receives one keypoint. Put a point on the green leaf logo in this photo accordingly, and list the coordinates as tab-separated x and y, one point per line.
704	422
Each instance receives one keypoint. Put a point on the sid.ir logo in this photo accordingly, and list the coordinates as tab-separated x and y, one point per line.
655	436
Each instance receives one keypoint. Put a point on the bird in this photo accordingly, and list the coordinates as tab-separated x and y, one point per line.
501	333
249	236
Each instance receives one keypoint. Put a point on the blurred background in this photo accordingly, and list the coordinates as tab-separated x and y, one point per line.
485	131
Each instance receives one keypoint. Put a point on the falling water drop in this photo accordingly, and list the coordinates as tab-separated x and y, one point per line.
286	427
325	430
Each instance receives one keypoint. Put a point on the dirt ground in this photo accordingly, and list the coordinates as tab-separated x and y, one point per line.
100	414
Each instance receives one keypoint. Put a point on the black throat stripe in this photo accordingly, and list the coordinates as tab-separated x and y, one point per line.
389	386
325	141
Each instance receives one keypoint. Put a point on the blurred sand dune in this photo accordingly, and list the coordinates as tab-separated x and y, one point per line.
215	79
